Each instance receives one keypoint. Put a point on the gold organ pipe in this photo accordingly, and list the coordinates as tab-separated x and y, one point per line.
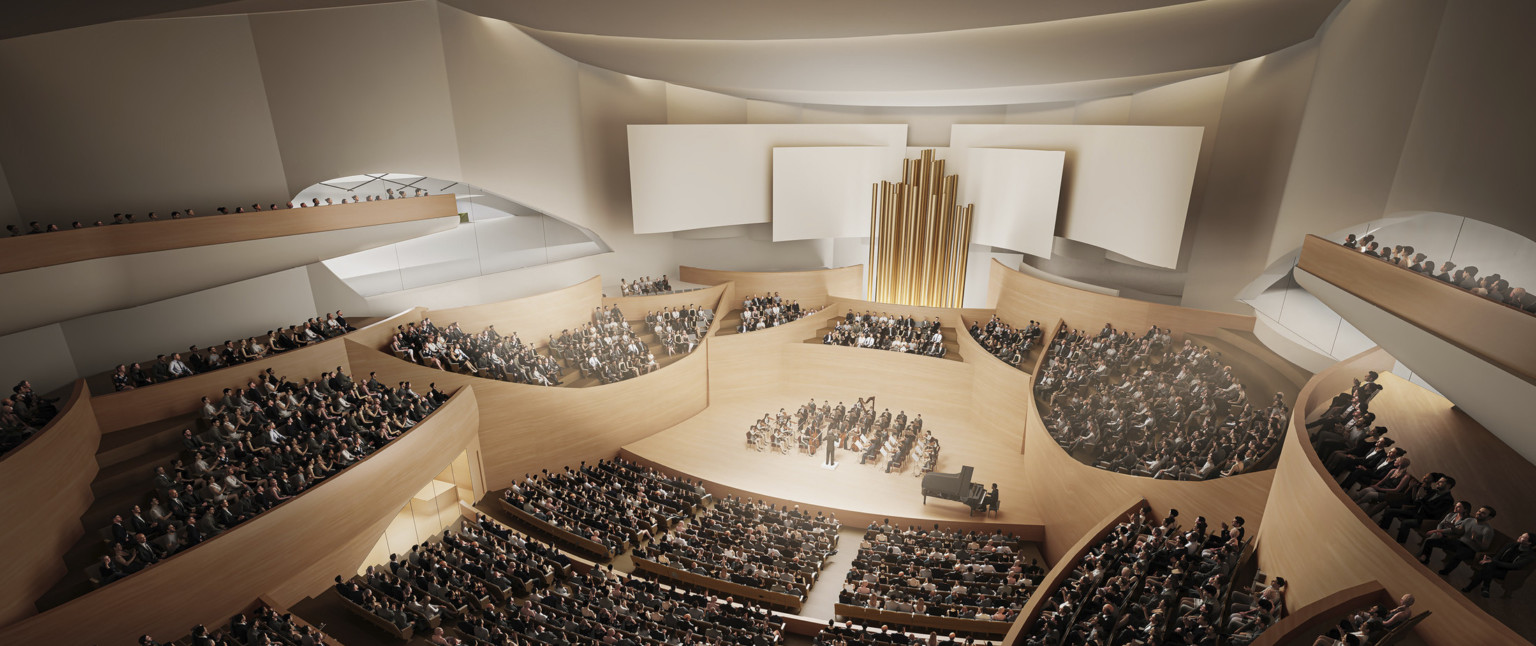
919	236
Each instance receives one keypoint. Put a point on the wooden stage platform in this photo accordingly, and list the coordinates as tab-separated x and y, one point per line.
712	446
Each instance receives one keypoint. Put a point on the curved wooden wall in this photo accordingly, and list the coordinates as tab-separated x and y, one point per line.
1322	543
1303	625
116	411
811	288
525	428
533	318
48	478
73	245
1494	332
996	402
288	553
740	364
1021	298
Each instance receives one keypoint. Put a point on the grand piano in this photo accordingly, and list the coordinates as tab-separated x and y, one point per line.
957	487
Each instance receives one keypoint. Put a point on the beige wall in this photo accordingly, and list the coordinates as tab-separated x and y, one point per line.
357	90
140	116
1260	116
1468	150
1370	67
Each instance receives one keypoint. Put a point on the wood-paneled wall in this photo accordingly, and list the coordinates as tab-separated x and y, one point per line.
999	393
1021	298
740	364
533	318
949	316
288	553
48	479
526	428
1322	543
28	252
1494	332
811	288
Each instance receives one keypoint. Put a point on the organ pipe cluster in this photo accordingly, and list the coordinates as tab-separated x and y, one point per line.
919	237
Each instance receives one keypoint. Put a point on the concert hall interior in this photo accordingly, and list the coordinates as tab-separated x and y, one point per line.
689	322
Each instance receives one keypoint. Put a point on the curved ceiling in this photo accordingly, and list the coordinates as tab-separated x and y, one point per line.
1100	55
713	19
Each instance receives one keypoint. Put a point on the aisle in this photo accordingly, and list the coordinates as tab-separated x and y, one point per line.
819	603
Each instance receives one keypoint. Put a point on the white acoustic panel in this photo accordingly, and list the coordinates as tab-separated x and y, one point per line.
695	176
826	192
1126	187
1016	193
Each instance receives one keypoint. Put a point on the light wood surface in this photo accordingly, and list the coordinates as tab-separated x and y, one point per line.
1494	332
1064	566
1021	297
1305	624
49	476
1322	543
811	288
526	428
948	316
73	245
130	408
533	318
288	553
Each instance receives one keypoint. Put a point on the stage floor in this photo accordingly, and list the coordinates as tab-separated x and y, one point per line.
712	446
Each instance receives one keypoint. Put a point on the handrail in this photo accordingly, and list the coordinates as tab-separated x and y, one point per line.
74	245
1489	330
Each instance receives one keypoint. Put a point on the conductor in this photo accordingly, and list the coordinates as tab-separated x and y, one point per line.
830	439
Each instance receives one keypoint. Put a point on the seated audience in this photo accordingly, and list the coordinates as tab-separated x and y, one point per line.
750	543
1368	626
195	361
1137	405
1357	454
1006	343
266	442
763	312
613	503
1492	286
886	332
1149	583
265	626
645	286
486	354
35	227
23	414
941	573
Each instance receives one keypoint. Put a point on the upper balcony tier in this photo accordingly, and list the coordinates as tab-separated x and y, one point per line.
67	274
1477	352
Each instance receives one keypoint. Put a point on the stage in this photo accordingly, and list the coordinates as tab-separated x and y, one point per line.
712	446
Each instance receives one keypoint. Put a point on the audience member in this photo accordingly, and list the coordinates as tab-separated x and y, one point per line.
1135	405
